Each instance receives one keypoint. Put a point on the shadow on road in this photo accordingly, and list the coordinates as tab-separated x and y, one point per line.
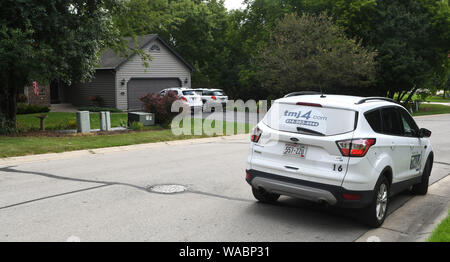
306	213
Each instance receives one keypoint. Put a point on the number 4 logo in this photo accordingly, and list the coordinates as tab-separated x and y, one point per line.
307	115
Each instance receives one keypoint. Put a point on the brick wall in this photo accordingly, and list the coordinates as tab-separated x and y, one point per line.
43	99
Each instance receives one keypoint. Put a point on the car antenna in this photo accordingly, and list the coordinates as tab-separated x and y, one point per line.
321	92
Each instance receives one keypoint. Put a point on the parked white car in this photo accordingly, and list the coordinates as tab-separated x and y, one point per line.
347	151
190	96
212	98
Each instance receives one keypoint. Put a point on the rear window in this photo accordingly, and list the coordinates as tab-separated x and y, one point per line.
310	120
213	93
218	93
189	93
374	119
392	123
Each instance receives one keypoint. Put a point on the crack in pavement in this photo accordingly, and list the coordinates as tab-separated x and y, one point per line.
12	170
52	196
395	230
103	183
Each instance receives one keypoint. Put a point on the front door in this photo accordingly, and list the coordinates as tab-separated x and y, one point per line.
410	132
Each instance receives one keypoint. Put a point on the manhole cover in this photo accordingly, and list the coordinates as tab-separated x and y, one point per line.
167	189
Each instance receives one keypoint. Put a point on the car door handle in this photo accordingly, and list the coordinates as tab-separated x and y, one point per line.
291	167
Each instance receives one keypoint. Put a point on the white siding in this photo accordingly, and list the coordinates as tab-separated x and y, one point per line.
164	64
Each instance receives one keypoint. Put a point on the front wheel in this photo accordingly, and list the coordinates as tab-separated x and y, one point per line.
375	214
264	196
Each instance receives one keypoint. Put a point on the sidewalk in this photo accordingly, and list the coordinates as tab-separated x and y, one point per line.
438	103
11	161
415	220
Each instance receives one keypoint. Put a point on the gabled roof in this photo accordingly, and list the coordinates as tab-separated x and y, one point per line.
111	60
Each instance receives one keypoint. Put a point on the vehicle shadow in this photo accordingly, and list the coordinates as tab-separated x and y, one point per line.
311	214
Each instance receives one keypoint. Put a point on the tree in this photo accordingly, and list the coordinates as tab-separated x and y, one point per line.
312	53
410	53
43	40
195	29
412	38
248	32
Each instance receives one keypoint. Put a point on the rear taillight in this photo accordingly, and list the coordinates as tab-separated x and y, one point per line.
256	134
184	98
213	98
355	147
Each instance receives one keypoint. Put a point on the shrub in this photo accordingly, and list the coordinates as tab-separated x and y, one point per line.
98	109
96	100
21	98
31	109
161	107
6	127
136	126
123	123
72	124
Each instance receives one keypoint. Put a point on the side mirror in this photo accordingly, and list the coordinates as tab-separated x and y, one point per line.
423	132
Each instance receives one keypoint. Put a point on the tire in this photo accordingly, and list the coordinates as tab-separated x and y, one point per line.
264	196
422	187
376	212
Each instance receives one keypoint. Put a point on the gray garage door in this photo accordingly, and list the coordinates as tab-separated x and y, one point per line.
141	86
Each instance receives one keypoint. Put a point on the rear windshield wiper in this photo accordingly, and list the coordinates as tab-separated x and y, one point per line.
309	131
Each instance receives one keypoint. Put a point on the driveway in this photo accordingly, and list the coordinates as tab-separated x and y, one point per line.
105	196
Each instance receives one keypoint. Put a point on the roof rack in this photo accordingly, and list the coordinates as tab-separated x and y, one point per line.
300	93
375	98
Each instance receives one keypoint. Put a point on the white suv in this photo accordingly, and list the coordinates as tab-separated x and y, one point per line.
342	150
190	96
213	98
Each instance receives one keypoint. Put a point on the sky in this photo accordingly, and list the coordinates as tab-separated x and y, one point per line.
233	4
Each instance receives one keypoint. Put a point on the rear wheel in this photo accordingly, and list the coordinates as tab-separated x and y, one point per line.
422	187
264	196
375	214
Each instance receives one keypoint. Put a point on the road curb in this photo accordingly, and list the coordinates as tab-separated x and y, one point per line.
416	219
11	161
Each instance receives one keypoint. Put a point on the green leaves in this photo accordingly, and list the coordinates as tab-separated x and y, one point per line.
44	40
311	53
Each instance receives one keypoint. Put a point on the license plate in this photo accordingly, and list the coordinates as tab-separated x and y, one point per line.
295	150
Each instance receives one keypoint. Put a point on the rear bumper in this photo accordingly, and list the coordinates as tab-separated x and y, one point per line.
308	190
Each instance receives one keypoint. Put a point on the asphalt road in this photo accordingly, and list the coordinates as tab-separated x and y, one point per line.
105	197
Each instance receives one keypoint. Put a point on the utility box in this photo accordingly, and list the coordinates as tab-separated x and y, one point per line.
147	119
83	122
105	121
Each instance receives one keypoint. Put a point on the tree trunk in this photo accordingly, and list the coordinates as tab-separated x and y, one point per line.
389	94
9	90
413	91
400	96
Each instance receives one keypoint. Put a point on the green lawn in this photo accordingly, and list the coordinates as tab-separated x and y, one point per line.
28	145
414	97
438	99
60	120
431	109
442	232
428	99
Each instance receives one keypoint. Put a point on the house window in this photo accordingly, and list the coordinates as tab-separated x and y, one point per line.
155	48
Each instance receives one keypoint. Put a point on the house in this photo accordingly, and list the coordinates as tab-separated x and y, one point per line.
120	81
